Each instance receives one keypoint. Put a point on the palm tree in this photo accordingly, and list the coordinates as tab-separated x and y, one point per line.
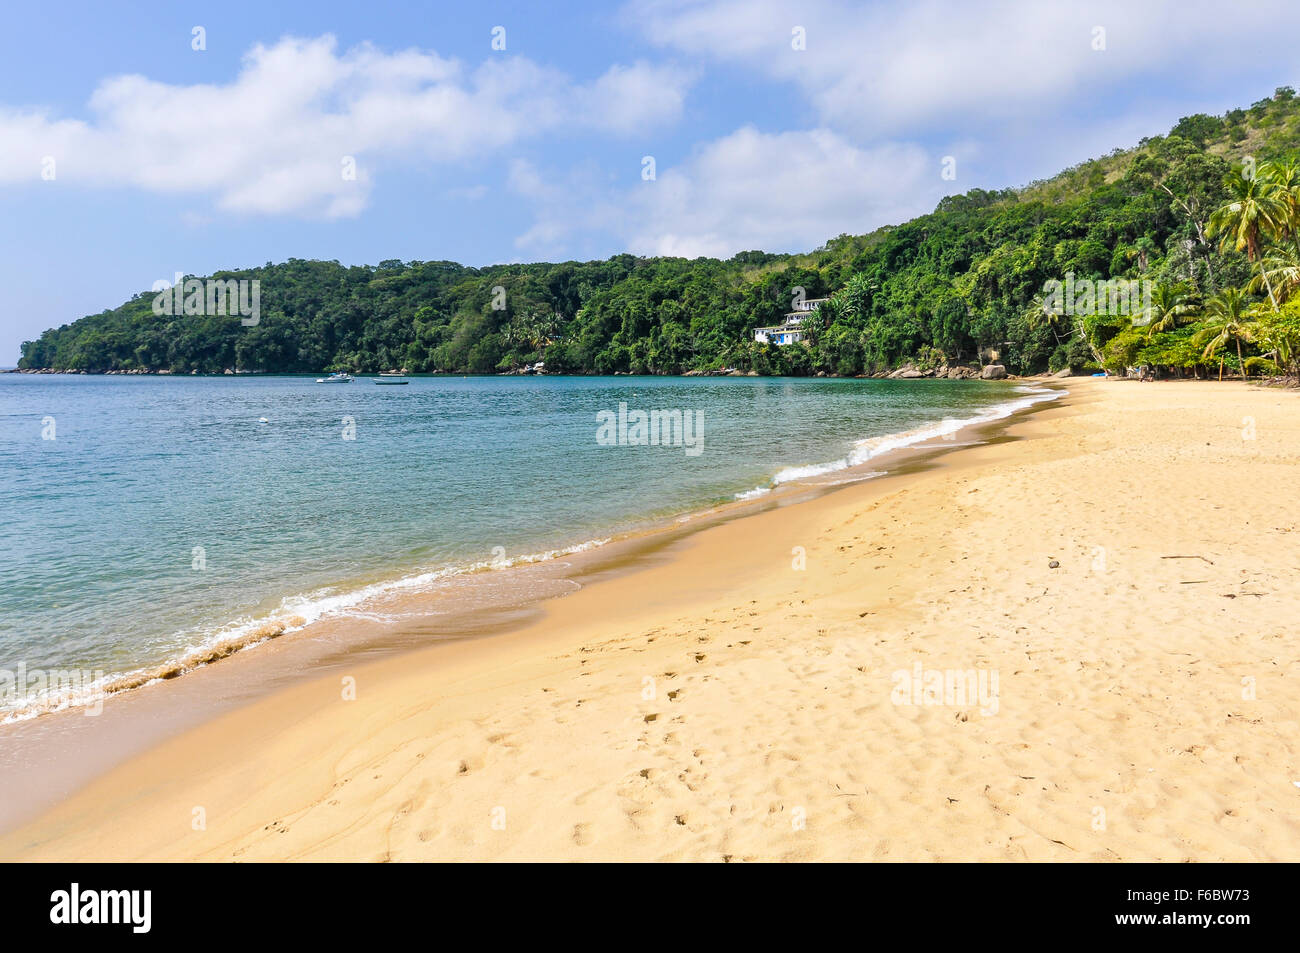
534	332
1169	308
1227	320
1284	177
1040	311
1279	269
1256	211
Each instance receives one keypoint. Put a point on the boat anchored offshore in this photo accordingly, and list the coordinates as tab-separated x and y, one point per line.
341	377
389	380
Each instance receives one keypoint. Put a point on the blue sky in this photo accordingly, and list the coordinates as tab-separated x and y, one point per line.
168	158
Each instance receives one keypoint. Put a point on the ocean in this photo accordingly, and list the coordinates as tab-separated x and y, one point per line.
150	518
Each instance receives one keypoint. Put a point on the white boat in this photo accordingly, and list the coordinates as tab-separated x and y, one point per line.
341	377
387	379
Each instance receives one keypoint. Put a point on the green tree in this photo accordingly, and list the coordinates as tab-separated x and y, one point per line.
1169	308
1253	212
1228	320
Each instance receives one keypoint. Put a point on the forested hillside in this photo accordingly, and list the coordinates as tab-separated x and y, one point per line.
1218	240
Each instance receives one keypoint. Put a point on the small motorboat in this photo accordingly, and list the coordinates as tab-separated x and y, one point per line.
386	379
340	377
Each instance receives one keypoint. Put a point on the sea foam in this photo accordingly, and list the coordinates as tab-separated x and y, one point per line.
871	447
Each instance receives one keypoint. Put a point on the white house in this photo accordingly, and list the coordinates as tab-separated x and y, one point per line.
779	334
789	331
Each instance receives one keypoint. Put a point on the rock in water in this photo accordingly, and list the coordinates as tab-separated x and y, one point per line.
993	372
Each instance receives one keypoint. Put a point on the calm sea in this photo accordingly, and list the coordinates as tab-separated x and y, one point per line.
149	516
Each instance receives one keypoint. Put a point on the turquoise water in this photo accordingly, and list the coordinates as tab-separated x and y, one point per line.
163	512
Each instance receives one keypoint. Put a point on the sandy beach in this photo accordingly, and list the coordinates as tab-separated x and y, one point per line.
1115	577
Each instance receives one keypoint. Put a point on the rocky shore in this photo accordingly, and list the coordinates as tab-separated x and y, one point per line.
989	372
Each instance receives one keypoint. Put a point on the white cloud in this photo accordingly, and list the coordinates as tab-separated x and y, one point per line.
274	140
746	190
657	91
893	68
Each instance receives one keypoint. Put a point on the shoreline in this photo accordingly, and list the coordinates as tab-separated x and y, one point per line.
442	734
301	614
878	375
151	708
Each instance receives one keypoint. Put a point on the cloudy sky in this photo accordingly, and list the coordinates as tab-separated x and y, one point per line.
363	132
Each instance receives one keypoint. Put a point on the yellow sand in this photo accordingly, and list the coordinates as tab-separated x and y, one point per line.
723	705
